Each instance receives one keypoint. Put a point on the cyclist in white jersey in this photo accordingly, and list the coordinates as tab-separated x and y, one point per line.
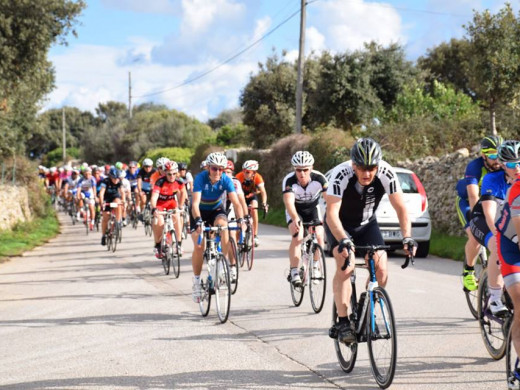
302	189
127	189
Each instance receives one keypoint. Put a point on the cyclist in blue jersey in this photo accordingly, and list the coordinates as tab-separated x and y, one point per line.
468	195
87	185
144	186
208	207
484	215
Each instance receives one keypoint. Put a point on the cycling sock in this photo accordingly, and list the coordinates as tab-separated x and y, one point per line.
294	271
196	278
495	294
468	268
343	320
157	245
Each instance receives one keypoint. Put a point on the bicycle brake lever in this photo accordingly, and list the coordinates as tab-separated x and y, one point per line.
407	262
346	263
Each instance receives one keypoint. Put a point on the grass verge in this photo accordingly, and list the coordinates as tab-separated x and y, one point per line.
27	235
274	217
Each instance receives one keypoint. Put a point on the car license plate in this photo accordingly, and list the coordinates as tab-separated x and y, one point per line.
391	234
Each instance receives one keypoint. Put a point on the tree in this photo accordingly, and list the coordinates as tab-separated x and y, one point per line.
495	59
227	117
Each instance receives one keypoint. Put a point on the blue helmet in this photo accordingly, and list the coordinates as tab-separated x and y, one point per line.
113	173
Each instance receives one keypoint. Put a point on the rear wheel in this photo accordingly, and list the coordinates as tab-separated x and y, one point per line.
115	234
222	288
176	256
234	255
512	361
166	252
205	299
297	291
250	245
423	249
472	296
318	279
346	353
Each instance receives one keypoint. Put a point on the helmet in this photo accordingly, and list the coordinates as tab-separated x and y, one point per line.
230	165
107	167
171	166
119	165
122	174
250	165
217	159
182	165
159	164
60	169
132	164
302	158
147	162
52	169
491	142
366	152
203	164
509	151
87	170
113	173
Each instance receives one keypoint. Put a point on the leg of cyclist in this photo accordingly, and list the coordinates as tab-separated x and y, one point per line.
381	267
495	280
254	214
296	231
104	224
472	247
221	220
92	209
196	263
177	222
157	227
342	291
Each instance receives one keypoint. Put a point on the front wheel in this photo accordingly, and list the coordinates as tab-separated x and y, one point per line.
472	296
222	288
115	235
346	353
166	253
512	362
234	255
175	252
318	279
297	291
382	338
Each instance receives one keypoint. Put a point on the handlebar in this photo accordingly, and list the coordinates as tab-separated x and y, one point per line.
371	249
207	229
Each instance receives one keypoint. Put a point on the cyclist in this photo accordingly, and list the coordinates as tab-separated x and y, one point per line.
186	176
111	192
164	194
207	207
508	231
302	189
127	189
159	164
131	174
355	190
468	195
253	184
144	186
71	189
87	185
52	179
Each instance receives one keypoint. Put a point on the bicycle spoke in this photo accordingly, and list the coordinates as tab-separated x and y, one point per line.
222	288
318	279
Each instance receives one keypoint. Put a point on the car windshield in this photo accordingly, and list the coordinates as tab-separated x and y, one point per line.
407	183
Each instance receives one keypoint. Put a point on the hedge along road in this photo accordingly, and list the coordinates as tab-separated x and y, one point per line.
76	316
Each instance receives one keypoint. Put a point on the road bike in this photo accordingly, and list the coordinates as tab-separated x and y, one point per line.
113	228
170	247
373	319
246	249
185	221
512	360
472	296
493	328
216	281
234	251
132	212
312	267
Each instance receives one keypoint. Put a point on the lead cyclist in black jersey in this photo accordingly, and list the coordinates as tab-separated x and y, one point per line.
301	192
355	190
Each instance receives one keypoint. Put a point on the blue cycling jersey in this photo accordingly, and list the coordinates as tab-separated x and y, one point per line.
495	185
132	178
475	172
211	193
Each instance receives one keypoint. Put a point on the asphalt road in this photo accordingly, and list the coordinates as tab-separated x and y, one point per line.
74	316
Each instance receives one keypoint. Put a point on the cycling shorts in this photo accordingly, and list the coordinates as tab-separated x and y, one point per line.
208	216
306	214
251	198
480	229
368	234
509	256
463	211
110	200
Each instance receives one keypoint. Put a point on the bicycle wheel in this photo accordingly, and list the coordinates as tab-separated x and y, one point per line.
207	288
297	291
346	353
175	250
134	217
222	288
109	236
185	223
234	254
491	327
115	235
87	219
250	255
120	231
318	279
382	339
472	296
512	362
166	253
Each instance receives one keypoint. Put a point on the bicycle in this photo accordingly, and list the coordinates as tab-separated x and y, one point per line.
512	360
246	249
147	220
185	221
87	220
170	247
472	296
315	276
374	323
492	328
132	215
233	226
113	228
217	279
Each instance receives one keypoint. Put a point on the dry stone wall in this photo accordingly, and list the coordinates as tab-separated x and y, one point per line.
439	177
14	206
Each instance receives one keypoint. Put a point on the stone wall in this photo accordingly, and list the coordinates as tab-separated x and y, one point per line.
439	177
14	206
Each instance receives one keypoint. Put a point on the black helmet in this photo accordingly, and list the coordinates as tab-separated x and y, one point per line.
491	142
182	165
113	173
366	152
509	151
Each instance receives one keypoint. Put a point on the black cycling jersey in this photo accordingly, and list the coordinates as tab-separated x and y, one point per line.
359	203
308	196
111	189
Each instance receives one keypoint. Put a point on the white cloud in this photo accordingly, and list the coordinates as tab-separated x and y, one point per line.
140	6
314	40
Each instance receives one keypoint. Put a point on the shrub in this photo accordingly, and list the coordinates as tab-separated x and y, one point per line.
330	147
175	154
200	154
55	156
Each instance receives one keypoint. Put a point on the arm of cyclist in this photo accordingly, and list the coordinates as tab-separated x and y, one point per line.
516	222
288	201
336	228
472	195
183	195
101	195
490	210
195	212
153	201
397	202
263	194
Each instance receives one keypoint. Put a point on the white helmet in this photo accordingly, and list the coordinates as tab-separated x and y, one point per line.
250	165
122	174
302	158
147	162
159	164
217	159
52	169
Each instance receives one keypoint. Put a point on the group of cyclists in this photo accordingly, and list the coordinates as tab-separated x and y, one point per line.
488	204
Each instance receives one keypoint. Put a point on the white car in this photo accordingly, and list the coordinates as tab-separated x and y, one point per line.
417	205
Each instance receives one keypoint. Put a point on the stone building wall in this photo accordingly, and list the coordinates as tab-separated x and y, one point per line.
14	206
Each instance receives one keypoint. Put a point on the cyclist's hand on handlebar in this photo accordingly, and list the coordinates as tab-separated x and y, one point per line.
409	246
265	206
345	246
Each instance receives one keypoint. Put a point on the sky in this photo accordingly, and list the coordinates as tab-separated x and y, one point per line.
196	56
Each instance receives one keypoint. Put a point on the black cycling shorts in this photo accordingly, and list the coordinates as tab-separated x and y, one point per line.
249	200
480	229
306	214
109	200
208	216
368	234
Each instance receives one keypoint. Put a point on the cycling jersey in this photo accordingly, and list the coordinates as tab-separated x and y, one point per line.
73	184
226	201
211	194
250	186
167	192
111	190
155	176
87	185
145	179
53	178
474	174
132	178
359	203
305	198
125	184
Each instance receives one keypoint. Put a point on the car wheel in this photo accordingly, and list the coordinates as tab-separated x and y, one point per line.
423	249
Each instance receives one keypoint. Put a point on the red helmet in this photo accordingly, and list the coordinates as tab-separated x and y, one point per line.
230	165
171	166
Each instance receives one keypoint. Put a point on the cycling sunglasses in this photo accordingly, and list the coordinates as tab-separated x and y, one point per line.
512	165
217	169
492	156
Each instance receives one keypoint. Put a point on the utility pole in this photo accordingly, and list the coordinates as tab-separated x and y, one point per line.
63	136
299	82
130	95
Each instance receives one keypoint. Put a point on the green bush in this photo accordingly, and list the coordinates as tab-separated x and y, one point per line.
200	154
175	154
54	157
330	147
